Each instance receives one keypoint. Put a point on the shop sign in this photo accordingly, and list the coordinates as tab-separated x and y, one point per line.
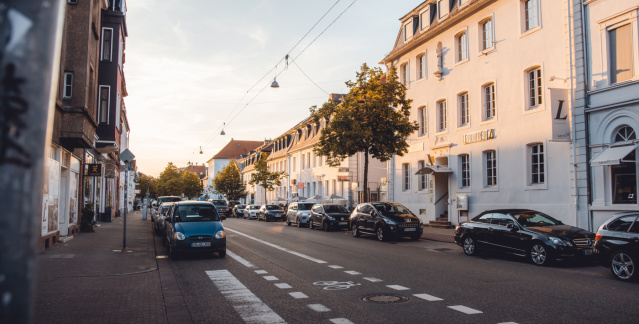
94	170
560	101
300	185
343	178
480	136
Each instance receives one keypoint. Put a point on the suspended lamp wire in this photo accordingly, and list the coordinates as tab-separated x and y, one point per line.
310	78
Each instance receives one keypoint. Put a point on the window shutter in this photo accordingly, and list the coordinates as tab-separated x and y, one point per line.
433	13
415	24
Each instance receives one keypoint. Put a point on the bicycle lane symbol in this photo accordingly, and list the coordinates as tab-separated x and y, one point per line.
336	285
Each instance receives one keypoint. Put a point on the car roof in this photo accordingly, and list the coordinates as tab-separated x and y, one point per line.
192	202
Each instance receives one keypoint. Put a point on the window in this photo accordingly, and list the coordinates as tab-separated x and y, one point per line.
68	85
461	46
489	101
308	160
107	40
625	133
534	88
441	116
624	175
486	34
537	169
440	8
421	178
424	18
622	224
490	162
72	2
531	14
293	164
406	176
464	114
302	162
407	32
103	114
621	56
421	66
464	161
405	75
421	114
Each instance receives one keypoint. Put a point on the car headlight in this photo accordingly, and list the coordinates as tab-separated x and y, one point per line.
389	221
330	217
179	236
557	241
220	234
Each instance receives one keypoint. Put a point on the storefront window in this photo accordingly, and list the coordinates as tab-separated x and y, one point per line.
624	175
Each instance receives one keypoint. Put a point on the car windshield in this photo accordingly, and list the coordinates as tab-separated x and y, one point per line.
168	199
240	206
164	209
391	209
335	209
532	218
304	206
272	207
254	207
197	213
219	202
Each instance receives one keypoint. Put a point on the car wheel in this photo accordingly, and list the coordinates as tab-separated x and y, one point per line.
325	227
470	248
380	234
622	266
288	222
538	254
222	253
354	230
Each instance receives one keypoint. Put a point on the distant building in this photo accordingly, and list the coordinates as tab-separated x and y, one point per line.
234	150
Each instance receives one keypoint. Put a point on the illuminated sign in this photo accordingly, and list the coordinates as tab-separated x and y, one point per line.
94	170
480	136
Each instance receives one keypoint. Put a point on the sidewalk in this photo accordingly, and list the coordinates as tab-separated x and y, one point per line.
89	279
438	234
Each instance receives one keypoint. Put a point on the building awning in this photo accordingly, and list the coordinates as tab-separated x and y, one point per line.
434	169
613	155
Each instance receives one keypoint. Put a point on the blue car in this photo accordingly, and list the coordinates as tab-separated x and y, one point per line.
194	227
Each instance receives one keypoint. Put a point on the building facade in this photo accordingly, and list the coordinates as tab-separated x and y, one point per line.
234	150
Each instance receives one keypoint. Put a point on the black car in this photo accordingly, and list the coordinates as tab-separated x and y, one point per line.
158	218
524	232
329	216
238	211
617	245
270	212
221	206
385	220
194	227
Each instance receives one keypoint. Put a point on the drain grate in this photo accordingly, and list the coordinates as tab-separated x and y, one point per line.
385	299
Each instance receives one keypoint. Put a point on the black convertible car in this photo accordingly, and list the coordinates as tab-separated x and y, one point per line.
524	232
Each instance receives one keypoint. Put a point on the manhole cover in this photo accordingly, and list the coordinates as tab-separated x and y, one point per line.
385	298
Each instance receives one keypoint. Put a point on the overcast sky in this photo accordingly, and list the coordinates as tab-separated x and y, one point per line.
190	63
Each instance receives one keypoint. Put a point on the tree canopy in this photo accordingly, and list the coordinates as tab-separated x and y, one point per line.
374	118
265	178
144	183
228	182
192	187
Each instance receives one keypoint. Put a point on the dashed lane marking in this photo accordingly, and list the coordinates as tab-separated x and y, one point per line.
508	323
283	286
465	310
371	279
427	297
335	267
245	303
261	271
354	273
240	259
298	295
304	256
397	287
270	278
340	321
319	308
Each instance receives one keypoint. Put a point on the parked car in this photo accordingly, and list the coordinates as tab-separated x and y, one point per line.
270	212
523	232
298	213
194	227
329	216
221	206
238	211
251	211
158	218
617	245
385	220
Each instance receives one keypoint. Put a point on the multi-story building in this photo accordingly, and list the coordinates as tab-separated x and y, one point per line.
490	83
256	193
234	150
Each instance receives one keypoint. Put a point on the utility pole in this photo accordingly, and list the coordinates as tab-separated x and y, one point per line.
126	156
31	34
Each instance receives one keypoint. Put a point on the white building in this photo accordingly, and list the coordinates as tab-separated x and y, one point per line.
234	150
490	83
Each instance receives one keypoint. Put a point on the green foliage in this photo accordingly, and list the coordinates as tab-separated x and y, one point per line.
147	183
191	184
265	178
228	182
374	118
170	182
86	222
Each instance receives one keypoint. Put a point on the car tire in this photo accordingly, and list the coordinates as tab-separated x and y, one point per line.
325	227
622	266
380	234
355	231
469	245
538	254
415	237
222	253
288	222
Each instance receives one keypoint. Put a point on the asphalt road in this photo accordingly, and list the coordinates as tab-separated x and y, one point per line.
276	274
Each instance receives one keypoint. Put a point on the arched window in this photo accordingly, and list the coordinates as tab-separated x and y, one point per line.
625	133
624	175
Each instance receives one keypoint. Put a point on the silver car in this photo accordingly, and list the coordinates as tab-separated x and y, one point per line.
299	213
251	211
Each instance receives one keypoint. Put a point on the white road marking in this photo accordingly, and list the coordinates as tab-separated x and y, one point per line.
397	287
271	278
371	279
239	259
508	323
283	286
340	321
261	271
304	256
465	310
427	297
319	308
351	272
335	267
298	295
245	303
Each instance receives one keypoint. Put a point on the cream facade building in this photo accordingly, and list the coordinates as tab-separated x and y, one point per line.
491	89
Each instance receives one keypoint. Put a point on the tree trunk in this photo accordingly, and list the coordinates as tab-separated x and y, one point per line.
365	175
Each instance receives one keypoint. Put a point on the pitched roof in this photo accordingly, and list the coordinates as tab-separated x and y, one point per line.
235	148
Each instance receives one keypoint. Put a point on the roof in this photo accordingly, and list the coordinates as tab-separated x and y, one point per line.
235	148
199	170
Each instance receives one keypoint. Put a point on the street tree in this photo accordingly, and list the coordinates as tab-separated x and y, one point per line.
265	178
170	181
146	183
228	182
191	184
374	118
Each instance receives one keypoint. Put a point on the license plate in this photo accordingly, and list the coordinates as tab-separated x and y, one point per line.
343	223
411	229
201	244
587	252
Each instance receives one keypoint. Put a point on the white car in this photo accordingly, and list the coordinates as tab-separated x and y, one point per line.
251	211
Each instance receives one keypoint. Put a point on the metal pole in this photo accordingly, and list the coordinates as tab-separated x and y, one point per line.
31	33
126	202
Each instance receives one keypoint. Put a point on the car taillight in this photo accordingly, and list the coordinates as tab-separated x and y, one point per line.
597	237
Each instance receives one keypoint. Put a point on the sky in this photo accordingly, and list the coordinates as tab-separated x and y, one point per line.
193	68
